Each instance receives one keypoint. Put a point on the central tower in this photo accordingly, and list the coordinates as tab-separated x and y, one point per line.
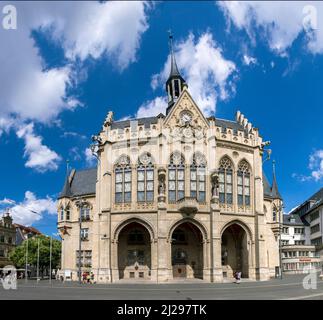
175	82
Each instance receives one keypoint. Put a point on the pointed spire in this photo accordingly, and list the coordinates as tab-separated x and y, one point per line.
173	67
274	189
175	82
66	192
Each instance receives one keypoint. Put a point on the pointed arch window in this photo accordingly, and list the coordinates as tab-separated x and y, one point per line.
225	181
123	180
61	211
176	177
243	183
197	177
68	213
145	179
274	213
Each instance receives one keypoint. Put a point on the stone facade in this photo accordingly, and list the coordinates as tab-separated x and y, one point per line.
175	196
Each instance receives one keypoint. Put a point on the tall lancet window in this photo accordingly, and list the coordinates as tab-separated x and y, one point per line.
176	177
123	180
274	213
145	178
225	181
198	172
243	183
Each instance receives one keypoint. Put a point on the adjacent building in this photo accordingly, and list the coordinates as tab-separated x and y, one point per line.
301	237
24	232
7	239
179	195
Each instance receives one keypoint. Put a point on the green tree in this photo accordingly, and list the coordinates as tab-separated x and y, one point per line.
18	255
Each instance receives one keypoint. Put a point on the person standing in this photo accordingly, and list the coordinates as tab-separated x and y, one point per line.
238	276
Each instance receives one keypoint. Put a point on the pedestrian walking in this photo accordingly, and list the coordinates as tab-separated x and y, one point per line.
92	277
238	276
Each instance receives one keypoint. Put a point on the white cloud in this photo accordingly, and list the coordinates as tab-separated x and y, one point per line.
316	165
89	157
279	22
248	60
152	108
68	134
207	73
40	157
22	212
29	90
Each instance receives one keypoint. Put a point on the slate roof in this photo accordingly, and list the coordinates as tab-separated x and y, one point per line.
266	185
83	183
317	196
141	121
312	203
229	124
153	120
287	220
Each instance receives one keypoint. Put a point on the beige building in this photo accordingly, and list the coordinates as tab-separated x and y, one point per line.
173	196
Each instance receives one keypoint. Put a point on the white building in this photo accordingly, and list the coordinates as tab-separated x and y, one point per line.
301	237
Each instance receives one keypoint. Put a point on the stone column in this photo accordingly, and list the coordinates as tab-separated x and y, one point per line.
216	258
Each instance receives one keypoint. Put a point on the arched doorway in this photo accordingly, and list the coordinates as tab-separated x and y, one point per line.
234	250
134	252
187	251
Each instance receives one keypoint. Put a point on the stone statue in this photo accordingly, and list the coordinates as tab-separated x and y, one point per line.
215	185
161	187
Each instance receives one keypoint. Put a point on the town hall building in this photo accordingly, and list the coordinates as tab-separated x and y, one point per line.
177	195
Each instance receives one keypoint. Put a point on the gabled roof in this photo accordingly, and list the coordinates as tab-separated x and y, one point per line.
26	229
83	183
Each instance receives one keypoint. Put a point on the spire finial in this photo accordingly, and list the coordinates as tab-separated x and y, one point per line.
274	189
67	167
170	42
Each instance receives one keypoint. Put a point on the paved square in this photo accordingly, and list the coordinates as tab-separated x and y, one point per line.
289	288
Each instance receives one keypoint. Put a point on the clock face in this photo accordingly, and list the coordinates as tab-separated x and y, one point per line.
186	117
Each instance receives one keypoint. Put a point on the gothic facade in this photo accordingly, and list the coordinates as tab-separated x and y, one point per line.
173	196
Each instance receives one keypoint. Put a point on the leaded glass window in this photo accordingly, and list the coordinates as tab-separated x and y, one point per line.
197	177
123	178
243	183
62	213
225	181
176	177
145	179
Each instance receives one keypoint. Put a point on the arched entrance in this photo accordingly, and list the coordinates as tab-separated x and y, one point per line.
134	252
187	251
234	250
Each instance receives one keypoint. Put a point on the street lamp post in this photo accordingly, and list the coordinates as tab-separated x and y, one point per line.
50	259
38	262
280	208
26	266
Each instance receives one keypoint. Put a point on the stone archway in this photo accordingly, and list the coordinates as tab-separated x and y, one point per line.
134	252
187	251
234	251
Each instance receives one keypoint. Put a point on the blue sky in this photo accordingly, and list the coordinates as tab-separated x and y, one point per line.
67	64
